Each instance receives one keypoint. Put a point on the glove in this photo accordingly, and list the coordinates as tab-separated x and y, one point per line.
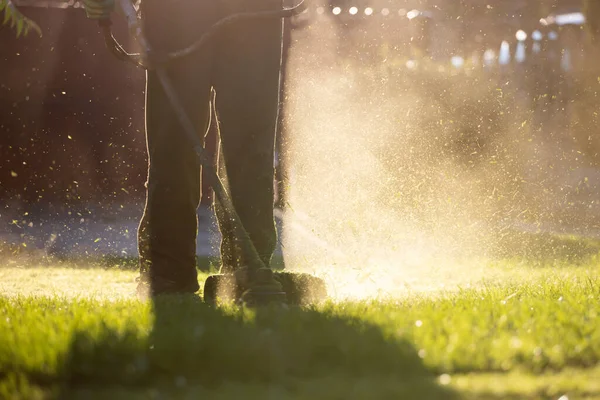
98	9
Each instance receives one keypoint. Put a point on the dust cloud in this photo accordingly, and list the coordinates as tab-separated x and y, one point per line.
389	190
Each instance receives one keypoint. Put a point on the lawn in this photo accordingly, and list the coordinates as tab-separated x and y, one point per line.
68	332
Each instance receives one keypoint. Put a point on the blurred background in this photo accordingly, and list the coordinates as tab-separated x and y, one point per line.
491	103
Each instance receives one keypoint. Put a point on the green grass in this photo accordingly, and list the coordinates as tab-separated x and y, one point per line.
78	333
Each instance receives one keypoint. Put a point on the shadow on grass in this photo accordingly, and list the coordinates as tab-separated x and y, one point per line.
196	351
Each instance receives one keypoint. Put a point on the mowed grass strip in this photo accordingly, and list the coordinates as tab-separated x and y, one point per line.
536	338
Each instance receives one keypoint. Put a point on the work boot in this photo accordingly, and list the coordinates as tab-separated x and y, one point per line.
160	286
259	287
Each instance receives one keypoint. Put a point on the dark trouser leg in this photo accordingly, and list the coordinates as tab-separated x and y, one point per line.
231	254
167	233
248	62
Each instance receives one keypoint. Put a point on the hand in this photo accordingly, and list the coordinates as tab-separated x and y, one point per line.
98	9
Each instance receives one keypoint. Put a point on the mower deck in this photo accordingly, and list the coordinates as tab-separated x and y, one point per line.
299	288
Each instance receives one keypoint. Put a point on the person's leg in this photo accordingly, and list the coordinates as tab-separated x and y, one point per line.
167	232
229	250
247	70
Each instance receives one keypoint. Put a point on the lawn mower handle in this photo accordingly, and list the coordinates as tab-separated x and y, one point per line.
135	28
147	60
